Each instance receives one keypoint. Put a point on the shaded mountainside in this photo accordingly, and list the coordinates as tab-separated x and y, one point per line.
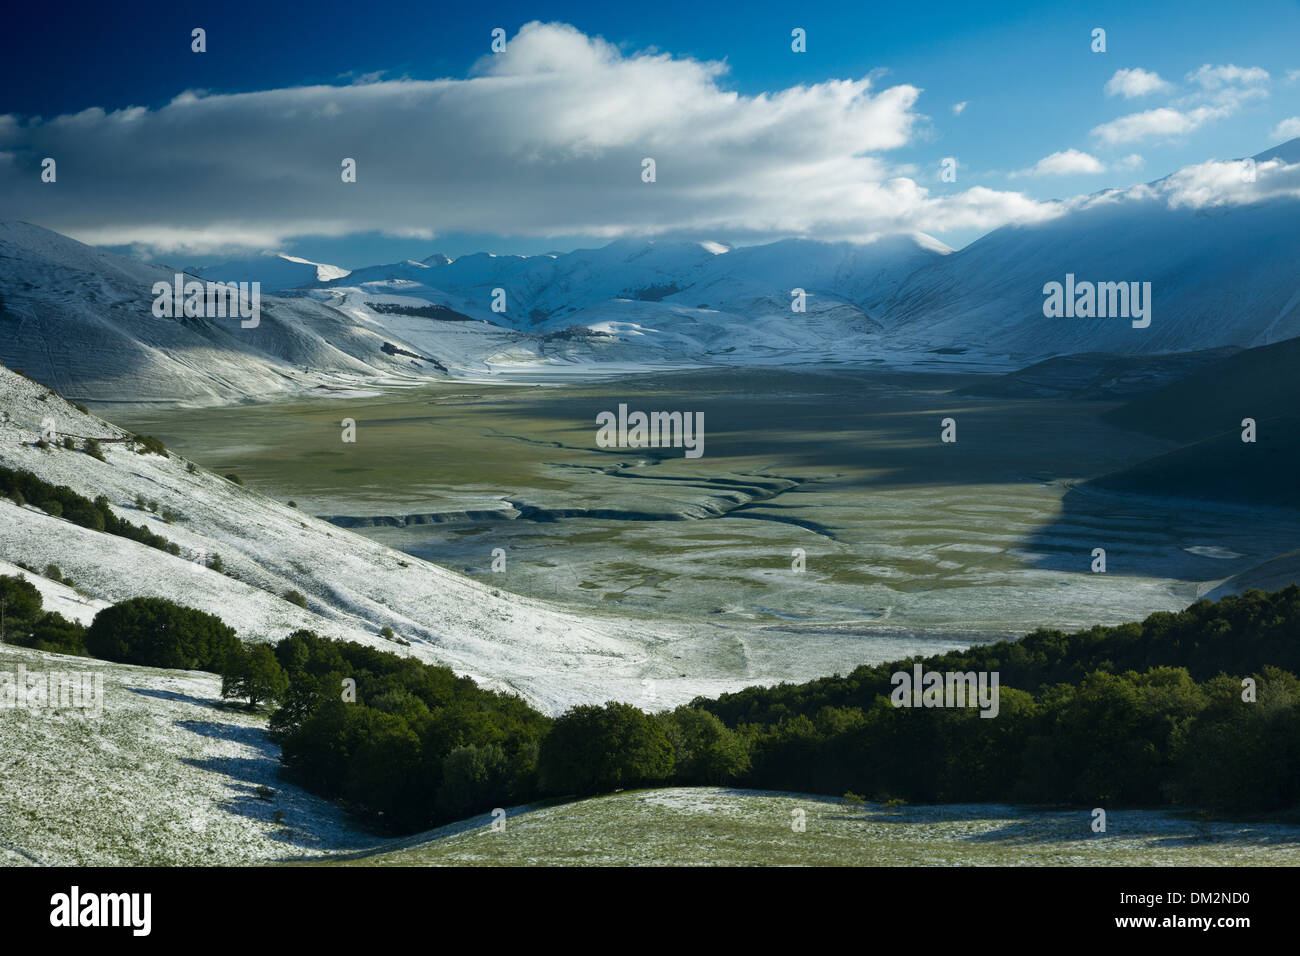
1096	376
1221	275
1257	383
1206	410
1224	468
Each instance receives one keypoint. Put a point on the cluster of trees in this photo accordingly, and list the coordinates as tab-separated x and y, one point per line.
25	623
61	501
1113	739
1240	634
1142	713
405	743
412	745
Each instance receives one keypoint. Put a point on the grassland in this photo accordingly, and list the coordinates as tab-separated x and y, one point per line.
724	827
907	538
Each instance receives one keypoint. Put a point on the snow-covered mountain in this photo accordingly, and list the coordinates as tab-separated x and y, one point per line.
81	320
1220	274
276	271
549	291
669	302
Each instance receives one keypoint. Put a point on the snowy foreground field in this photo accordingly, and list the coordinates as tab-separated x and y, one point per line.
170	775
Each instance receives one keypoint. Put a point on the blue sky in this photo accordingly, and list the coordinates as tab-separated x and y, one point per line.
1031	84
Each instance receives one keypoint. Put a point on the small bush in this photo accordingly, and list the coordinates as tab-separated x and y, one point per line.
93	450
169	516
216	564
386	632
232	477
52	508
150	445
42	444
296	597
68	443
53	573
191	467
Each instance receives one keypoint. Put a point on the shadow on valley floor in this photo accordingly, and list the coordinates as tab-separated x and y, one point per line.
1150	536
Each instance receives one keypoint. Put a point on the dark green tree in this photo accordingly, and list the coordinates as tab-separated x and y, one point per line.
255	675
159	633
599	749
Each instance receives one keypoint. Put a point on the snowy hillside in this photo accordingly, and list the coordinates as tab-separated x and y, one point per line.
665	303
167	775
1221	274
81	320
354	587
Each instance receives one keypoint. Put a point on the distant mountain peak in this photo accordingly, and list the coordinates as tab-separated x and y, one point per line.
324	272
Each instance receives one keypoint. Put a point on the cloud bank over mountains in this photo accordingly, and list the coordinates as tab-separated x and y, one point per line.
547	138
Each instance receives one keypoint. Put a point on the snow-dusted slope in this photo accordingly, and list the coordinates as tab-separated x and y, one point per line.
354	587
166	775
551	287
81	320
1221	274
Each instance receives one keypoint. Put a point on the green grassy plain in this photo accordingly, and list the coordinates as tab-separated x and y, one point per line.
989	536
725	827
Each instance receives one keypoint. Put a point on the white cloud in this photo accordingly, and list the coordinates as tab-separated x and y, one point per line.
1162	122
1234	182
1222	91
1136	82
545	139
1214	77
1289	128
959	108
1292	75
1070	162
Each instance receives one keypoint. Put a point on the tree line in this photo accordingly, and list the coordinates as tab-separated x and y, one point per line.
1199	708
